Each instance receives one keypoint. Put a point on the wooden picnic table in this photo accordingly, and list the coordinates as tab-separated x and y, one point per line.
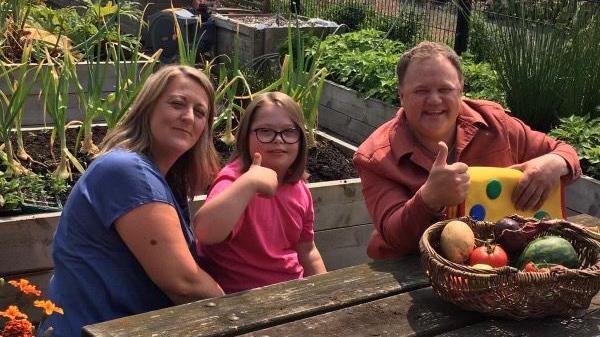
381	298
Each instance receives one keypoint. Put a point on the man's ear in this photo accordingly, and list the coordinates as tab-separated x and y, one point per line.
400	96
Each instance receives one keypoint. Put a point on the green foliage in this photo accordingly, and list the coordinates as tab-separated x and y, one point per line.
364	61
28	188
480	43
404	27
548	72
351	14
583	133
481	81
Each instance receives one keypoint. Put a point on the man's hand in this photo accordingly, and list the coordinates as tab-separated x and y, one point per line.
540	176
447	185
264	179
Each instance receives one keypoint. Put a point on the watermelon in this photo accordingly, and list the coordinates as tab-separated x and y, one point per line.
547	251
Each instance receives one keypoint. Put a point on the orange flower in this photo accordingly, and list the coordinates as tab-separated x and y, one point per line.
48	307
25	287
12	313
18	328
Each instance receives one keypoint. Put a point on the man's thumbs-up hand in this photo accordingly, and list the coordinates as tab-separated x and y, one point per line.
447	185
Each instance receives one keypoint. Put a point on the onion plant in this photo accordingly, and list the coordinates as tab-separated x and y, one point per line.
13	93
56	79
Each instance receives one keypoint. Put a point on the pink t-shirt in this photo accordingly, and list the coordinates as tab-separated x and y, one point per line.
261	249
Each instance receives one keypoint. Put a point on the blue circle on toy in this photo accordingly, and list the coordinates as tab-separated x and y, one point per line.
477	212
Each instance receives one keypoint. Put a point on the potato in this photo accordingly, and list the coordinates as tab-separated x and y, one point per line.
457	241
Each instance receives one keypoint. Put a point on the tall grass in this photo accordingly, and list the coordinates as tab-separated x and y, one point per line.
547	71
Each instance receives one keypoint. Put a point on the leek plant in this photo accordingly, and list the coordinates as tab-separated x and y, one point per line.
303	80
187	50
56	78
130	75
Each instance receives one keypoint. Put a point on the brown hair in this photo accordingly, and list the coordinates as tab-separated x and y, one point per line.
242	148
427	50
194	170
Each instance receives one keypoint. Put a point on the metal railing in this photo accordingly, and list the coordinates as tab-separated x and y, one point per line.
444	21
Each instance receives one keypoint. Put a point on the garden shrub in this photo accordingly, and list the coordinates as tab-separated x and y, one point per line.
583	133
363	61
351	14
480	43
404	28
481	81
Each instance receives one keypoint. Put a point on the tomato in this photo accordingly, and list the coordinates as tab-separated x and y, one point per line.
530	267
490	254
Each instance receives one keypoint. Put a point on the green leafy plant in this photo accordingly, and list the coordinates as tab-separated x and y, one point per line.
481	81
583	133
363	61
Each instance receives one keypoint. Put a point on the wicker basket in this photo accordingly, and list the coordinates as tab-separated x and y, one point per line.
508	292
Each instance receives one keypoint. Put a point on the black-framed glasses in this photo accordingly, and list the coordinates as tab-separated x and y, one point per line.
266	135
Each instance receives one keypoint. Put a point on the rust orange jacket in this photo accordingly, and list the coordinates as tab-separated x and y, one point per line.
392	168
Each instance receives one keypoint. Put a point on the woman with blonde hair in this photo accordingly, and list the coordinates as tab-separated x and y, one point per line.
123	245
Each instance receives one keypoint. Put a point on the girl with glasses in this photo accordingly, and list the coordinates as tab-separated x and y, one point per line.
256	227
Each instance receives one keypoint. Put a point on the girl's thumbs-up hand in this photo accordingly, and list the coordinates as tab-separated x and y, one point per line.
264	179
447	185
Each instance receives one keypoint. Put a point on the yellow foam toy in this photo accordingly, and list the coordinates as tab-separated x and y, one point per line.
489	196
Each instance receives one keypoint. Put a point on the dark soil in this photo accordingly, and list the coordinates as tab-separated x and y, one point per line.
325	162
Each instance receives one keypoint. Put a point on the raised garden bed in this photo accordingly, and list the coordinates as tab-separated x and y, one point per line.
343	111
260	34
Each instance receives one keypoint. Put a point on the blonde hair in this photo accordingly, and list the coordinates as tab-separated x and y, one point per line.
242	148
427	50
194	170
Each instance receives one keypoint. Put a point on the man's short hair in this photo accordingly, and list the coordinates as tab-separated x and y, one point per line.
426	50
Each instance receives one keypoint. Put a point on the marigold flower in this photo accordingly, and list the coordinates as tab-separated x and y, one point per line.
12	313
18	328
25	287
48	307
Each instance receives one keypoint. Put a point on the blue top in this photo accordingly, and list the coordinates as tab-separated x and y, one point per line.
96	277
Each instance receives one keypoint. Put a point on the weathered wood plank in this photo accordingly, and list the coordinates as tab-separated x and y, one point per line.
585	324
416	313
272	305
28	236
344	247
585	220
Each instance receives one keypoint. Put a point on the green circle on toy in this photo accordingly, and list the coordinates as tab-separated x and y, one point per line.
541	215
493	189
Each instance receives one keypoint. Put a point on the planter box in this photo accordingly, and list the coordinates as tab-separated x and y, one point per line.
342	231
583	196
34	105
255	40
343	112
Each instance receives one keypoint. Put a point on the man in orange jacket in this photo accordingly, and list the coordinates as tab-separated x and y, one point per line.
415	165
